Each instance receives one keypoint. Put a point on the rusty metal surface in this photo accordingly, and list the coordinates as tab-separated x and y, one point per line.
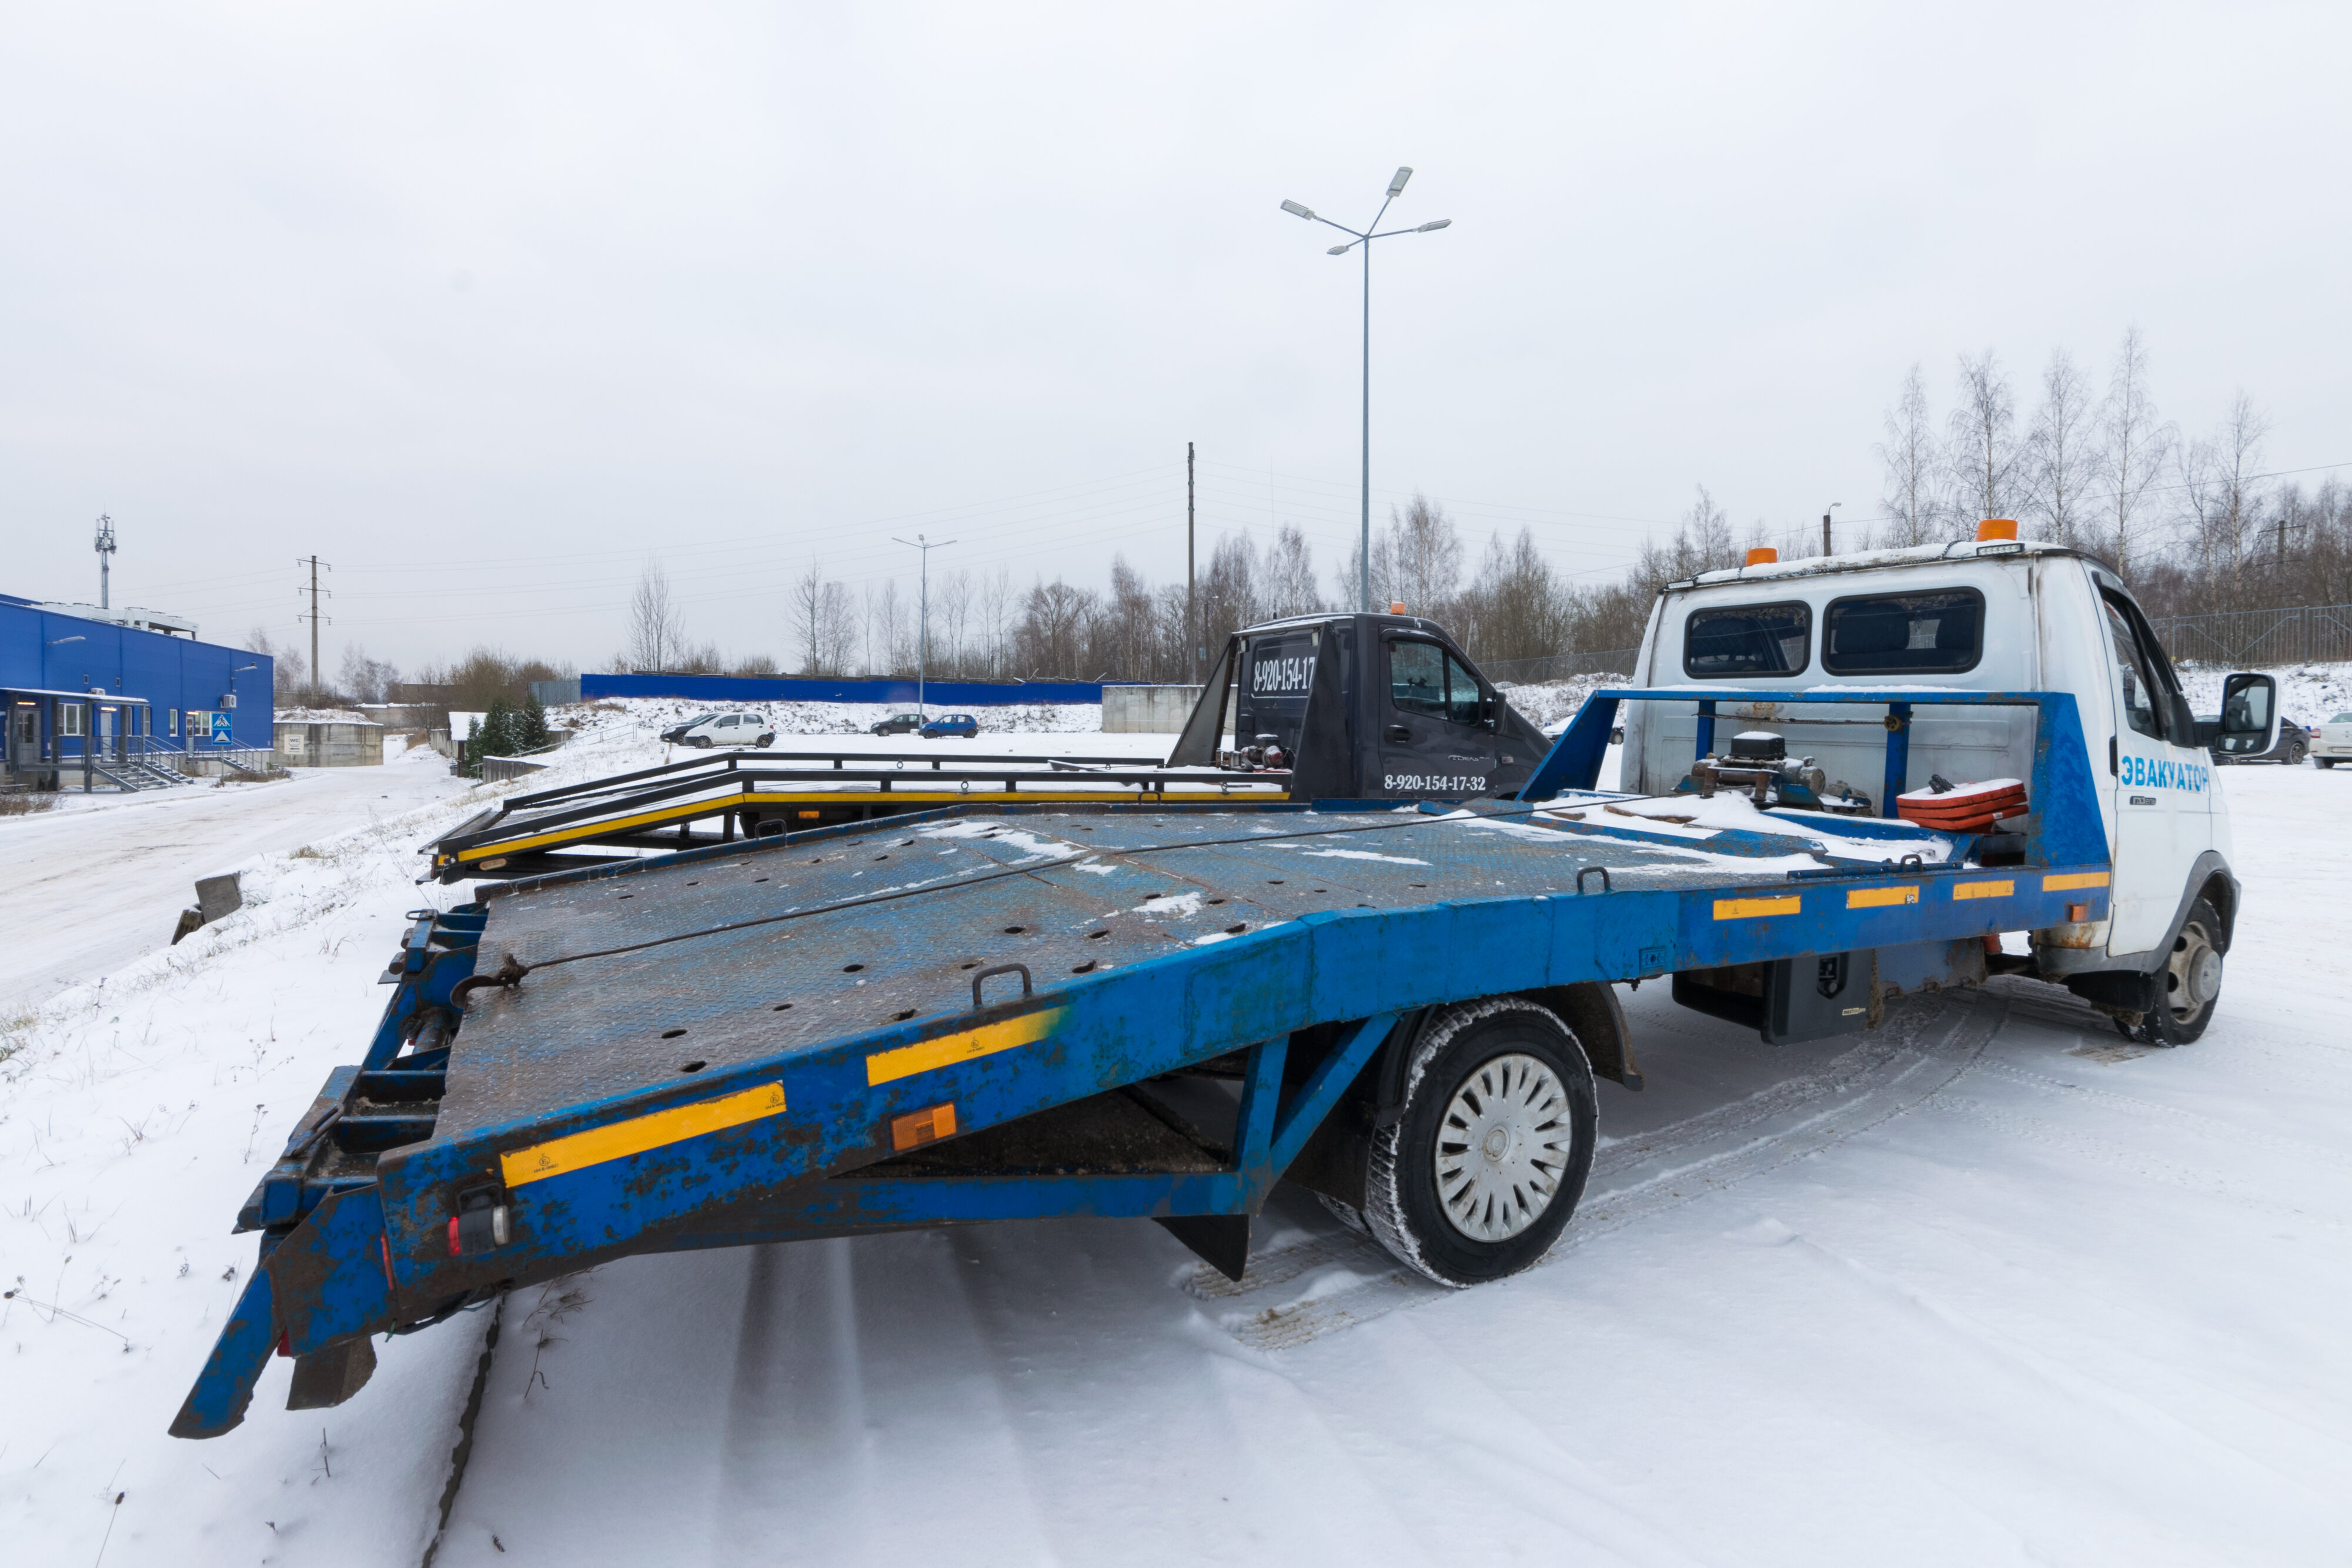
926	906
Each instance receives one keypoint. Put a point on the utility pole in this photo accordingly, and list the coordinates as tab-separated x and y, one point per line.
105	557
1825	528
1370	233
1192	616
313	617
923	617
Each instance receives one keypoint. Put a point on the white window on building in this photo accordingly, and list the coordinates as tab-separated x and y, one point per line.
68	718
173	718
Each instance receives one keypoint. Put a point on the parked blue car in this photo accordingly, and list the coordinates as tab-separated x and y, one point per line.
947	724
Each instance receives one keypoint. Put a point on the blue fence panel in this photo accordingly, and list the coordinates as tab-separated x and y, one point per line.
721	690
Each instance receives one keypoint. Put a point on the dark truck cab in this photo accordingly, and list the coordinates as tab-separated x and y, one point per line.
1359	708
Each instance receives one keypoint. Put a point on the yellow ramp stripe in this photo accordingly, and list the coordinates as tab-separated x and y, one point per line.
638	1134
1983	889
1880	897
669	816
889	1066
2074	879
1748	908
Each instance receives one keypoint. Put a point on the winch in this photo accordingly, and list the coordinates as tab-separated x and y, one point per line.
1758	764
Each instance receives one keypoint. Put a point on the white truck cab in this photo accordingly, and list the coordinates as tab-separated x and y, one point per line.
1991	614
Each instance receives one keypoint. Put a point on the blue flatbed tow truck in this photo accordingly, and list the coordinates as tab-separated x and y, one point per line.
1122	1009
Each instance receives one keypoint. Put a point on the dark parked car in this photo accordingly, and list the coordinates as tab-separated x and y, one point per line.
947	724
899	723
2292	745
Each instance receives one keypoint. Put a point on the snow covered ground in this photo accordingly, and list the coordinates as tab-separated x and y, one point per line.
1990	1286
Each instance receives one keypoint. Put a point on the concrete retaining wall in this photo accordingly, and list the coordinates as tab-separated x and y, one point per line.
1146	710
329	745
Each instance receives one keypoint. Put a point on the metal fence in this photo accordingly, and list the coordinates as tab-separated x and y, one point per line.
1560	666
2311	633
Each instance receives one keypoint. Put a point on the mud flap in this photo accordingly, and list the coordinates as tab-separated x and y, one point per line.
327	1377
1221	1240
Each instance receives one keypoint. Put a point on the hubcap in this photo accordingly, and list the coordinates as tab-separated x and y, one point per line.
2193	976
1502	1149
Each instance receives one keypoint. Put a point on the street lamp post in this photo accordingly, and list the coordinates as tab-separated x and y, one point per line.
923	616
1370	233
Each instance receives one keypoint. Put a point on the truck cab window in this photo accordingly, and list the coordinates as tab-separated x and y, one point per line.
1464	704
1904	633
1735	639
1417	678
1425	679
2139	688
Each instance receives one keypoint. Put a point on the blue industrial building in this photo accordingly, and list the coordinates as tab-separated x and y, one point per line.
115	698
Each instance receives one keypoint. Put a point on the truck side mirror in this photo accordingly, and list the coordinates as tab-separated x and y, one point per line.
2250	715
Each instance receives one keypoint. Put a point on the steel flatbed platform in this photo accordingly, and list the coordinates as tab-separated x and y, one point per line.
990	1012
748	793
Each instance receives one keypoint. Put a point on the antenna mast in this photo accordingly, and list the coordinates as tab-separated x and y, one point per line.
105	553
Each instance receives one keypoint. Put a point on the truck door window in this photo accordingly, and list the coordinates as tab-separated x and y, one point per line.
1733	640
1940	632
1423	679
1417	678
1463	698
2139	688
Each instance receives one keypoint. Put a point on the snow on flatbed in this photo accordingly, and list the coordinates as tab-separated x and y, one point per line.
1988	1286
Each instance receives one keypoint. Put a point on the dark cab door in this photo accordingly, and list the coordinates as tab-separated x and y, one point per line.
1435	736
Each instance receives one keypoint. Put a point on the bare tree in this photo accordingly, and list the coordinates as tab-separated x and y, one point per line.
2058	453
1983	451
1229	596
996	615
955	612
808	616
1427	556
362	679
837	630
1054	625
1350	579
1289	587
656	631
1913	464
2219	498
2132	446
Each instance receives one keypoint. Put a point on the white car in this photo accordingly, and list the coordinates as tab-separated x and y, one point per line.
707	730
2332	740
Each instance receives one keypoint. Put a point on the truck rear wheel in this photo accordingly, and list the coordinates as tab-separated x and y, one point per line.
2189	987
1488	1155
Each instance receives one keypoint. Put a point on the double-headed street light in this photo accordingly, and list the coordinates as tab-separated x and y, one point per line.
1364	238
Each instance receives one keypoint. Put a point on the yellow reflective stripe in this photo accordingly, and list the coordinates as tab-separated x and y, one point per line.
1880	897
1748	908
669	815
638	1134
889	1066
1983	889
2065	881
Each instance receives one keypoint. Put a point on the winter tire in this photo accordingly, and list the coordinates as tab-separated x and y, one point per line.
2325	762
2189	987
1489	1155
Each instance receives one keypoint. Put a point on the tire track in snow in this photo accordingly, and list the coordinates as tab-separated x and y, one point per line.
1351	1280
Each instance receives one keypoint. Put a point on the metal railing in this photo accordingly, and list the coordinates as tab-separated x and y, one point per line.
1560	666
2303	634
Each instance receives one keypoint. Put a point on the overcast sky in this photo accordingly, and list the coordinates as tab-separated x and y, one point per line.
489	305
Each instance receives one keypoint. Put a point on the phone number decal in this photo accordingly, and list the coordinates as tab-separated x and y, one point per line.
1436	783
